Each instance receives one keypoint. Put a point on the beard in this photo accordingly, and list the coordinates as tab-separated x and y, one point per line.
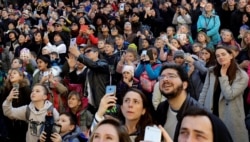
173	94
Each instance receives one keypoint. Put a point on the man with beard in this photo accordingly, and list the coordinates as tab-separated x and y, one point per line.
173	82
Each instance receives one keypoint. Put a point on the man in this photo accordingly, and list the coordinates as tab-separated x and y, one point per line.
97	75
173	82
199	125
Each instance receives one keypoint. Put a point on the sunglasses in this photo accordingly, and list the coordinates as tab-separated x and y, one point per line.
87	51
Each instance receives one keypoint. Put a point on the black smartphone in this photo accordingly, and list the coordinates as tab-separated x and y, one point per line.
150	54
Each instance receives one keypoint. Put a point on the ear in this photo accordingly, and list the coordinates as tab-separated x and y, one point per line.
185	85
79	102
143	111
71	127
45	97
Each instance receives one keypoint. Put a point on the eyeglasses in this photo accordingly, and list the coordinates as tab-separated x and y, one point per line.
170	77
87	51
58	25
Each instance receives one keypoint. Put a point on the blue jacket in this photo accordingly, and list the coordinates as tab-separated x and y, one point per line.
212	25
152	73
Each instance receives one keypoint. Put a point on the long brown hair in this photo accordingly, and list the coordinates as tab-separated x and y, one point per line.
232	69
22	83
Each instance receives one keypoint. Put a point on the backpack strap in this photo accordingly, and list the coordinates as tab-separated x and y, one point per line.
27	113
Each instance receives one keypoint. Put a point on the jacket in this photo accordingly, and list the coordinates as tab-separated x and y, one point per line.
8	54
72	136
163	109
35	116
98	77
231	110
211	25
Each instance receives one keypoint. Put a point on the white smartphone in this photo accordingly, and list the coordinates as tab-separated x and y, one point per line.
72	42
152	134
144	52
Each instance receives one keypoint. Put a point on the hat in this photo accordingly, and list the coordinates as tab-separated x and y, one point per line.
82	45
12	31
80	11
244	27
92	27
179	53
25	13
128	68
132	46
57	23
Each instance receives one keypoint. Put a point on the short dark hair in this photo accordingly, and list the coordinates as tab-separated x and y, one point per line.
180	70
45	88
72	118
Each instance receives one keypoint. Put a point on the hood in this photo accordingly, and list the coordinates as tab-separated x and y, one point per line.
47	104
72	135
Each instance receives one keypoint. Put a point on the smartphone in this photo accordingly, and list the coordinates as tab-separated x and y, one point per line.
16	86
150	54
144	52
72	42
46	73
111	89
121	7
84	28
152	134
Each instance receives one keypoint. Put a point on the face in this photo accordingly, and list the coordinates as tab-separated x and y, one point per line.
242	3
179	60
41	65
108	49
130	57
21	39
196	48
25	56
91	54
15	64
15	76
74	27
159	43
57	38
58	27
247	39
145	44
38	94
11	35
201	38
127	26
223	57
73	102
119	41
175	43
196	129
227	36
64	121
208	7
101	45
231	2
81	21
127	75
205	55
132	106
102	135
170	32
38	37
171	84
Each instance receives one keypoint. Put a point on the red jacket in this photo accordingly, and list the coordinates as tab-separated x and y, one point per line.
82	40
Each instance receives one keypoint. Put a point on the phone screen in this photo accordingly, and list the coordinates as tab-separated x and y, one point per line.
111	89
152	134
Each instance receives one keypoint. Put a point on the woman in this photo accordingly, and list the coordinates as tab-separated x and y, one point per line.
222	93
17	128
41	74
69	131
135	112
244	57
227	39
227	8
210	24
78	107
181	17
116	132
37	44
22	44
130	58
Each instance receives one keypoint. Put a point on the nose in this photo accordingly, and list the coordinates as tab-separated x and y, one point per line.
190	139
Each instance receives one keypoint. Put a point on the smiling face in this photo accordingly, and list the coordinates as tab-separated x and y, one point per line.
132	106
196	129
102	135
223	57
171	84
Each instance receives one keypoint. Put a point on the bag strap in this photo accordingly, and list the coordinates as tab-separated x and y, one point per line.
27	114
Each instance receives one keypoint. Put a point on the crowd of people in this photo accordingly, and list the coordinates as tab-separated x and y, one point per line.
104	70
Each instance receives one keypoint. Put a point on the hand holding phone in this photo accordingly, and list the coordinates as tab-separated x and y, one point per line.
16	89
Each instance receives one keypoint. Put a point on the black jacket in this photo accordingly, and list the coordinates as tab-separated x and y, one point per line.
98	76
163	109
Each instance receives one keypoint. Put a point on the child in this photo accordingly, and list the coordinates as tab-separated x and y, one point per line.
70	132
38	109
78	107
